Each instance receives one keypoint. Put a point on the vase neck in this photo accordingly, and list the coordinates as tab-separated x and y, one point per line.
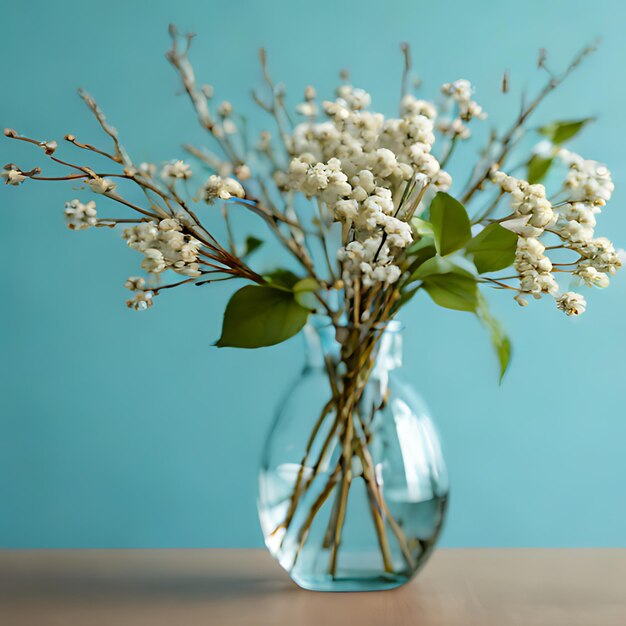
321	343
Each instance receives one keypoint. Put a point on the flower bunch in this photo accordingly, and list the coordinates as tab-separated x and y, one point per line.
361	201
356	164
587	187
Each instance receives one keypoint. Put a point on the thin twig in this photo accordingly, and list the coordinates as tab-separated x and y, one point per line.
525	113
406	55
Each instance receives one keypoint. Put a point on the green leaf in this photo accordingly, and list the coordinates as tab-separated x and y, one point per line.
303	292
538	168
422	227
493	248
499	339
419	244
260	315
252	244
282	278
420	254
441	265
560	132
451	224
452	291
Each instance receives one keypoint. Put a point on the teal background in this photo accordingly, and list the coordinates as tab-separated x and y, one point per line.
119	429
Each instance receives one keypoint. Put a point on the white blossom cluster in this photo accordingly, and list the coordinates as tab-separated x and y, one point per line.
370	173
164	247
308	108
371	259
142	299
176	170
571	303
460	92
79	216
12	176
163	243
588	186
587	181
358	164
101	185
222	188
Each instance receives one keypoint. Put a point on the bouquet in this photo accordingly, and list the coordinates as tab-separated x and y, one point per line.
362	203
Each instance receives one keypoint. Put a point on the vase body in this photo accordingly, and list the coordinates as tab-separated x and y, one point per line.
353	503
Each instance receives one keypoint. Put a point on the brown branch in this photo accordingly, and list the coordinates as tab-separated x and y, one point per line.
526	111
86	146
180	62
120	154
406	54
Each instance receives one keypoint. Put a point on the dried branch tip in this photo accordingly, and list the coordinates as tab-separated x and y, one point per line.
541	59
505	82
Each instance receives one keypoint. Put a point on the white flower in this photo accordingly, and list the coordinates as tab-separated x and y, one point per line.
79	216
242	172
12	175
461	91
135	283
170	224
591	277
454	128
586	180
347	209
141	236
230	128
308	109
410	105
187	269
534	268
154	261
370	261
384	162
101	185
176	170
354	97
576	232
165	247
442	181
544	149
148	169
600	254
577	222
225	109
140	301
571	303
507	183
399	233
217	187
533	212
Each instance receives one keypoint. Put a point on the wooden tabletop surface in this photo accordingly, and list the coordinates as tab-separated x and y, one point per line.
481	587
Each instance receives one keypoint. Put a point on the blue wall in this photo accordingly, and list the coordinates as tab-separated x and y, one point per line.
120	429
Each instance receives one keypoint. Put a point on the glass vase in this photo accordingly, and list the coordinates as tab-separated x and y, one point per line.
353	487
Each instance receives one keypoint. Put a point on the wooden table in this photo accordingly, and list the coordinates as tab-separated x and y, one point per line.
222	587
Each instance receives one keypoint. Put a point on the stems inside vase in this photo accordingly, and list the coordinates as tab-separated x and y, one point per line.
349	435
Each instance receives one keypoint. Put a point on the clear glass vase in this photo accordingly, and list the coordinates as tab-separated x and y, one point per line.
353	488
